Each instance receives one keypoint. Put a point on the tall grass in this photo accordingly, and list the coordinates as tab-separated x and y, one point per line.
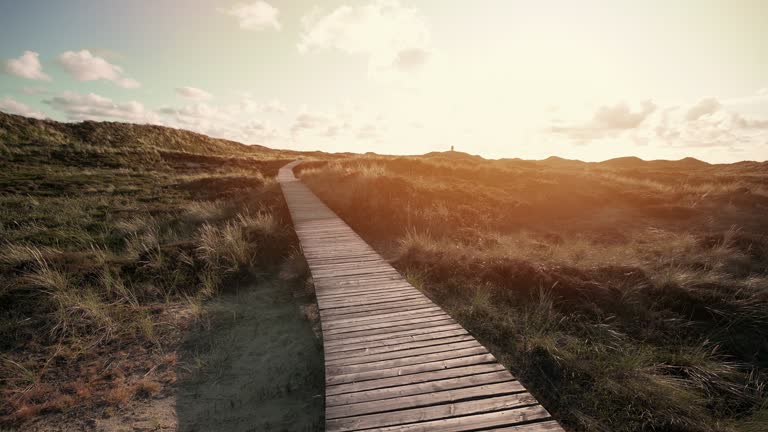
110	239
624	301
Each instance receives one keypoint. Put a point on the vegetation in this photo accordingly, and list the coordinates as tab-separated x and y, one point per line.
626	295
113	236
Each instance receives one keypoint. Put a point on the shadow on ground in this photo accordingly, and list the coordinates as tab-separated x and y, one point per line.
256	365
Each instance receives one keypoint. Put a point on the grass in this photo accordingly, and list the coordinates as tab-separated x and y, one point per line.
114	237
625	299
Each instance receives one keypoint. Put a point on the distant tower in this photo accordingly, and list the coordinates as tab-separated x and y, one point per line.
451	148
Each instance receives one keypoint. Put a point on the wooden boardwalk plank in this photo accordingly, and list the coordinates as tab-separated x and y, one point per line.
360	389
394	360
419	388
407	370
451	409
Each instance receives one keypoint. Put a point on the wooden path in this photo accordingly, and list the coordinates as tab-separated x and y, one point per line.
394	361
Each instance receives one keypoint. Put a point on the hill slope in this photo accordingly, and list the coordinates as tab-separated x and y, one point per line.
18	130
113	237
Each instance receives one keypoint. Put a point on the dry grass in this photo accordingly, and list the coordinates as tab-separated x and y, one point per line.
108	246
626	299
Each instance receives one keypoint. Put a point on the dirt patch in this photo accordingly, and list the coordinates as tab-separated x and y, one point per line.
257	366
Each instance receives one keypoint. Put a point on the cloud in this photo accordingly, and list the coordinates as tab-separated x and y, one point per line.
325	124
196	114
609	120
91	106
620	116
703	107
394	38
12	106
763	92
193	93
249	105
258	15
709	123
84	66
273	106
227	121
259	131
368	131
411	59
27	66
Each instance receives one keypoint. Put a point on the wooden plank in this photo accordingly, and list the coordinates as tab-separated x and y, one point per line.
362	301
404	327
394	334
414	354
403	417
475	422
347	269
365	301
369	293
374	271
435	316
545	426
422	388
361	387
406	370
387	305
401	362
390	317
391	306
420	400
363	314
342	322
342	282
396	343
356	261
331	279
372	288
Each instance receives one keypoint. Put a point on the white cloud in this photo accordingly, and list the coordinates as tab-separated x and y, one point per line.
393	37
274	106
703	107
193	93
340	127
228	121
763	92
84	66
200	114
12	106
608	120
708	123
410	59
258	15
259	132
367	131
27	66
94	107
317	122
249	105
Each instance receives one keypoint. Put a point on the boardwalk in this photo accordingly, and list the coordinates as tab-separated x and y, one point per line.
394	361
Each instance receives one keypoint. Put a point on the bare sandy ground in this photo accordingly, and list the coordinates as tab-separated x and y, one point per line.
259	367
254	364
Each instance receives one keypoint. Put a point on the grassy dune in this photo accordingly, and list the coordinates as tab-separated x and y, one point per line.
627	295
113	237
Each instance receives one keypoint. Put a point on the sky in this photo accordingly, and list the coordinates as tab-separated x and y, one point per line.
590	80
